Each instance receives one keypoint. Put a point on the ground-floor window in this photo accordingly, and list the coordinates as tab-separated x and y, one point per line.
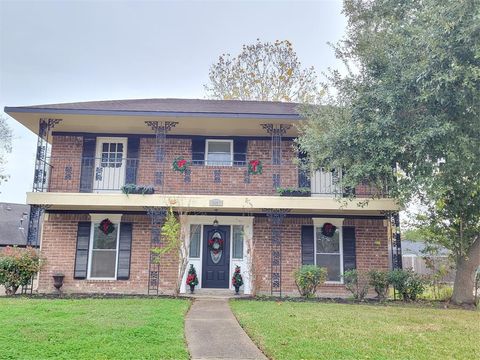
329	251
103	250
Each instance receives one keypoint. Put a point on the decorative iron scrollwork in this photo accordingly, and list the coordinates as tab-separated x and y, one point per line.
159	178
98	173
68	172
217	176
157	219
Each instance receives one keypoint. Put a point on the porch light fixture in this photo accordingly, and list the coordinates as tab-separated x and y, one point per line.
215	222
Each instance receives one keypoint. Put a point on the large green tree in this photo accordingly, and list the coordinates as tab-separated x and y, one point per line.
410	101
262	71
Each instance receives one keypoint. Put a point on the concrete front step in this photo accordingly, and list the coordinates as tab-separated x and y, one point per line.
214	294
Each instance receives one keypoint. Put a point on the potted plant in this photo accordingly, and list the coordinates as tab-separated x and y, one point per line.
237	279
301	191
58	280
192	278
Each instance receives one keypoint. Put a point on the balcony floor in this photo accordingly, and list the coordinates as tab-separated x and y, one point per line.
206	203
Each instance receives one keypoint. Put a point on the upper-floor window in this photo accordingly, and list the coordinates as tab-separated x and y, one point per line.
219	152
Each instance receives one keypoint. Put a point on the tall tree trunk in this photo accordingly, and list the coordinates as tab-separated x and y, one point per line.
465	275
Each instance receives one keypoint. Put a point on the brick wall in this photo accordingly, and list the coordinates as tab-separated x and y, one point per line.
218	180
65	163
59	247
371	251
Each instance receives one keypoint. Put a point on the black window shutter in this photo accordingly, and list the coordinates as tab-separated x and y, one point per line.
349	253
308	245
81	255
124	251
303	174
198	150
240	151
133	148
88	164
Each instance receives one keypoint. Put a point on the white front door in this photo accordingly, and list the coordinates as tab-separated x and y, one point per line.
110	164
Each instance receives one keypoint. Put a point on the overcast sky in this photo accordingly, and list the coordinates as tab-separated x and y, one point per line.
65	51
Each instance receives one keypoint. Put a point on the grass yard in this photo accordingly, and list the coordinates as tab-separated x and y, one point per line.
126	328
292	330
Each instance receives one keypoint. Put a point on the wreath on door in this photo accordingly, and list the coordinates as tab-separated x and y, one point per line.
215	245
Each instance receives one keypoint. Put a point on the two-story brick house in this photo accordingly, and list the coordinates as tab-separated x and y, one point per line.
221	163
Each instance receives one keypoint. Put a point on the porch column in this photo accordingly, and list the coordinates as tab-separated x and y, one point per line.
276	217
277	131
161	128
157	217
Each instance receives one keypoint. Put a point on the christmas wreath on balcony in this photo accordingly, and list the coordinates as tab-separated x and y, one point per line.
255	167
180	164
106	226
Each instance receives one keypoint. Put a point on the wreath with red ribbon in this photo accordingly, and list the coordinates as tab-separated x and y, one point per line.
215	245
328	229
106	226
180	164
255	167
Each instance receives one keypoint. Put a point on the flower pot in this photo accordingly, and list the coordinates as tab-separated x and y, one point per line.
58	280
237	288
192	289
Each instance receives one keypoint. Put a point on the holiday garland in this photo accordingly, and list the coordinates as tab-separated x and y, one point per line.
255	167
106	226
215	245
180	164
237	279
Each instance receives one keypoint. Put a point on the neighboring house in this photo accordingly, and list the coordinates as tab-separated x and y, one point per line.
413	253
13	224
230	157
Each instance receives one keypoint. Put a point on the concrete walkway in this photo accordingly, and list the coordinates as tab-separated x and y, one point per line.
213	333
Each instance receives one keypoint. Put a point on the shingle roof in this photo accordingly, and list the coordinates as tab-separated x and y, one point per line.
12	231
179	105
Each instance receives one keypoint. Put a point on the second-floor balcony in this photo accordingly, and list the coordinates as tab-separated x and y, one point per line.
110	174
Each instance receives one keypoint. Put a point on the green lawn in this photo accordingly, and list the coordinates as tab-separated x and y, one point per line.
288	330
126	328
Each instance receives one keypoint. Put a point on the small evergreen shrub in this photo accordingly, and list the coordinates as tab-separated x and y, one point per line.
137	189
17	267
379	281
408	283
308	278
357	283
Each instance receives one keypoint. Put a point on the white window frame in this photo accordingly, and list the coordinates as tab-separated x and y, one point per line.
90	250
318	223
230	141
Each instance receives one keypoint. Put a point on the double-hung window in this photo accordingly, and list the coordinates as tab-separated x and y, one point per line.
219	152
103	257
329	253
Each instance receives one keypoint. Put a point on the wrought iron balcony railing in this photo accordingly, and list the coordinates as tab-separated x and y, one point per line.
212	177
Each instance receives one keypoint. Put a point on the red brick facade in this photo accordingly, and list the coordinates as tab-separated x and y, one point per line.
67	154
58	249
59	246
